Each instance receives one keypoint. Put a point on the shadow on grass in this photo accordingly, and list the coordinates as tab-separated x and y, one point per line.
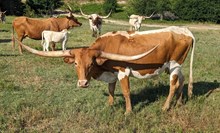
148	95
5	40
4	30
8	55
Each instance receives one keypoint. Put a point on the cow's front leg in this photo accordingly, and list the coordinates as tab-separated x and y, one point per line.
20	38
126	92
111	89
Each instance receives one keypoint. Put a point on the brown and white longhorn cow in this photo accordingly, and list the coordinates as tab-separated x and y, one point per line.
167	49
95	22
32	28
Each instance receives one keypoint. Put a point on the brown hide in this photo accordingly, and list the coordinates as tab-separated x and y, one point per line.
172	46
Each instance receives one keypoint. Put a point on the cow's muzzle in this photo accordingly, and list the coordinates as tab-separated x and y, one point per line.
83	83
79	24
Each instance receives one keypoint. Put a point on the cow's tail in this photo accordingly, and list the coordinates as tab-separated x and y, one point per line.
13	38
190	84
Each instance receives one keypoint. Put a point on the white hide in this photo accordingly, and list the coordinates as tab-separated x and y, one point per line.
175	29
173	67
135	22
93	27
53	36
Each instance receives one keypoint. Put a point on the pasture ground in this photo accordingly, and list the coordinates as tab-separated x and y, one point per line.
39	94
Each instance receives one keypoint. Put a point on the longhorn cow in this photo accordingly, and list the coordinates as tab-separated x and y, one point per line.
32	28
136	20
2	16
95	22
53	36
167	49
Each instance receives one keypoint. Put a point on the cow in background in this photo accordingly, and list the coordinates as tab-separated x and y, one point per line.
2	17
95	22
136	20
32	28
53	36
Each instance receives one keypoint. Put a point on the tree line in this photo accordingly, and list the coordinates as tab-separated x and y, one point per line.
189	10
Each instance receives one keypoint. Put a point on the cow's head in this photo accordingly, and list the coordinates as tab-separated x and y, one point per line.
86	60
95	22
72	21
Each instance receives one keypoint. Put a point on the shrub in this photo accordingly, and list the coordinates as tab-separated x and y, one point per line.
109	5
41	7
198	10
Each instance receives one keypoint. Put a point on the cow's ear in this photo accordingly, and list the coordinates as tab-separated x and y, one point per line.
100	61
69	60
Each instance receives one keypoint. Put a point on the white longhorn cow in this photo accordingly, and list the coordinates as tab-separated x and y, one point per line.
136	20
53	36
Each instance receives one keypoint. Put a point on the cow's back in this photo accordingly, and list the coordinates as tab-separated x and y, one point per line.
33	27
171	45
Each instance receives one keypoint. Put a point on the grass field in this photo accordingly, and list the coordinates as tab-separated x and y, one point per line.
39	94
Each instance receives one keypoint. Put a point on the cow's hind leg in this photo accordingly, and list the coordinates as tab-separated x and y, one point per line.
179	93
176	83
111	88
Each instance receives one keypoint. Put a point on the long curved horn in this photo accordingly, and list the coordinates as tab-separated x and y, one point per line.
104	17
118	57
70	10
65	53
150	15
83	13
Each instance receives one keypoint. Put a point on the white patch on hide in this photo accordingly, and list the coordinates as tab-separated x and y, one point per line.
156	72
122	74
175	29
175	69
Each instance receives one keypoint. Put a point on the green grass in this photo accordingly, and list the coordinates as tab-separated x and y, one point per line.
39	94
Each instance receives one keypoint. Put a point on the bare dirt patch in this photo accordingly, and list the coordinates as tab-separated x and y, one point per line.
191	26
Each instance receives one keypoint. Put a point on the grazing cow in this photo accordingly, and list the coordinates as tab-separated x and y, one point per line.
136	20
170	48
32	28
2	17
95	22
53	36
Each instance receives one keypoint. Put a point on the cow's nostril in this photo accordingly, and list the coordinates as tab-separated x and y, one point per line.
86	83
83	83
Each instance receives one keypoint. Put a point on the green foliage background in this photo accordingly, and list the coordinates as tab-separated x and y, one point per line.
189	10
